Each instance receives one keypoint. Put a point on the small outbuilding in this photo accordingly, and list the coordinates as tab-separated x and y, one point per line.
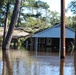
18	33
48	40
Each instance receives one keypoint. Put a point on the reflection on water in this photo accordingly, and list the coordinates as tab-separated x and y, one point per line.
62	64
25	64
7	64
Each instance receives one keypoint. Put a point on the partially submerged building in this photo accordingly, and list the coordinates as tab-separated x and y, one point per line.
18	33
49	39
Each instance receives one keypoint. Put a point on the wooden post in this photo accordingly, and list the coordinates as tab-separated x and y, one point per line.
62	56
26	44
75	53
36	45
60	48
75	42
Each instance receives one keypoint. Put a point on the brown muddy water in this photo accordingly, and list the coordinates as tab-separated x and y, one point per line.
27	63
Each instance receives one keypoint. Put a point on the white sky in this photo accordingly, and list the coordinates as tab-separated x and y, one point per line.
55	5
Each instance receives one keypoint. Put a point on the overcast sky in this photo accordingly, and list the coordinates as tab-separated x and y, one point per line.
55	5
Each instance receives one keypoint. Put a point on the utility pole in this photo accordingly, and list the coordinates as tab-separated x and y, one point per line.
62	44
62	54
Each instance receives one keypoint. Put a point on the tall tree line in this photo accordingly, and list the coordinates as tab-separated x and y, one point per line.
72	8
32	13
36	13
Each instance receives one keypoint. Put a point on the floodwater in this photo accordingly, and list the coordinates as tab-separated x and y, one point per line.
25	63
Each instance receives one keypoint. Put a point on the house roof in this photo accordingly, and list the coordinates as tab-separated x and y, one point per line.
20	33
17	32
54	32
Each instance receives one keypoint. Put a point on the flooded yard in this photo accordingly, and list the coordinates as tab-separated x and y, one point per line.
25	63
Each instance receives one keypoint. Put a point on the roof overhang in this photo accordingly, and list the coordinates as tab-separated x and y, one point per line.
55	32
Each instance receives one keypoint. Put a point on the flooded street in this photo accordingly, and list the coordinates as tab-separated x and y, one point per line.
25	64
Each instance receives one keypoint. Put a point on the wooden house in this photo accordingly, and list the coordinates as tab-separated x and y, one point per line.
49	39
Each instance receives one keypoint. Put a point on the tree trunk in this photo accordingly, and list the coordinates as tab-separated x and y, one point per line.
19	14
6	22
6	43
7	38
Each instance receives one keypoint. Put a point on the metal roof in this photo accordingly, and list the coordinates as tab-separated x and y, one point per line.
54	32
